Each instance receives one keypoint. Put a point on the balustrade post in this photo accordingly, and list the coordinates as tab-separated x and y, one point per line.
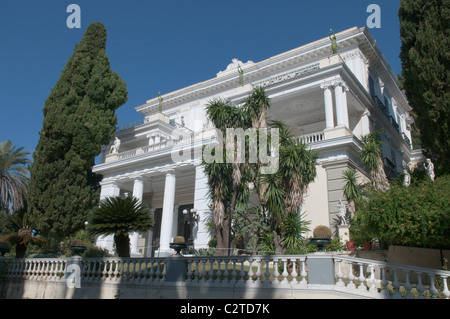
350	277
407	285
267	272
396	285
361	278
303	273
445	291
294	272
384	282
420	289
432	289
339	274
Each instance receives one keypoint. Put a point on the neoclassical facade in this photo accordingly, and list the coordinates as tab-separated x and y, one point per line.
329	100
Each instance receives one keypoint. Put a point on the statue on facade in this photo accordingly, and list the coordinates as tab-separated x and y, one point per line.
332	37
160	103
406	178
115	147
342	214
430	169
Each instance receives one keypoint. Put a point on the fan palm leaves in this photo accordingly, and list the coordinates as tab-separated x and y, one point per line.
13	176
120	216
26	224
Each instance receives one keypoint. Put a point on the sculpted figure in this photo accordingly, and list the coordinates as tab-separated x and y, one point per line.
406	178
430	169
115	147
342	212
332	37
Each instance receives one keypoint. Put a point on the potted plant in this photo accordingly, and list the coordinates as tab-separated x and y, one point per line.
77	247
351	245
178	244
321	237
354	237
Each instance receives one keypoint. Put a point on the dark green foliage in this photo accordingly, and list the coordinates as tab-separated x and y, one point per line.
425	56
120	216
79	117
417	216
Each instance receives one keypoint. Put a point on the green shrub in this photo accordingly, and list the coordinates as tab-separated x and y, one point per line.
417	216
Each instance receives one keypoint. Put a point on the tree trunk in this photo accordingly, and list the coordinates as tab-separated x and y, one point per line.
279	250
20	250
222	233
122	245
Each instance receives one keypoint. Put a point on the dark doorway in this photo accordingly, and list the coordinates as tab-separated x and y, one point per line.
184	229
156	230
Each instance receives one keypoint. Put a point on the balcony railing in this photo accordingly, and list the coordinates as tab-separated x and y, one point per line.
307	139
300	274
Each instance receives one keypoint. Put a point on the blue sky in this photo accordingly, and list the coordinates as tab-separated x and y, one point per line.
160	46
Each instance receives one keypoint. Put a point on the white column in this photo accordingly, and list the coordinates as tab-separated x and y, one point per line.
328	98
108	189
201	205
167	214
345	105
340	93
138	192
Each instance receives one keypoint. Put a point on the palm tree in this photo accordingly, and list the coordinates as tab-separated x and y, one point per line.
25	223
285	189
280	194
371	157
13	176
120	216
225	176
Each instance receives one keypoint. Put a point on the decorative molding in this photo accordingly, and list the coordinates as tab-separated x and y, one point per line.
288	75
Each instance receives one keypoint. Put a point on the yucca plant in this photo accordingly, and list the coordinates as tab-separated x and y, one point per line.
351	190
120	216
371	157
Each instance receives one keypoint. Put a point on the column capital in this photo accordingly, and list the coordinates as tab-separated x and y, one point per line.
168	171
326	85
330	84
139	177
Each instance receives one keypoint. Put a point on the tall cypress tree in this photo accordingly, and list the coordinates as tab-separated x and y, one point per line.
79	117
425	56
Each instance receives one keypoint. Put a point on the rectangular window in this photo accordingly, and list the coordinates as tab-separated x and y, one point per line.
372	86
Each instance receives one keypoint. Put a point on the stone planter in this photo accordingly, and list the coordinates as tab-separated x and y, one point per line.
320	242
178	247
78	250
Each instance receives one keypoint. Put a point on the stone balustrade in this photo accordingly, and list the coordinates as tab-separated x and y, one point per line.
234	276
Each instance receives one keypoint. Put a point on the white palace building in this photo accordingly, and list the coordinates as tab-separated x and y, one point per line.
329	100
